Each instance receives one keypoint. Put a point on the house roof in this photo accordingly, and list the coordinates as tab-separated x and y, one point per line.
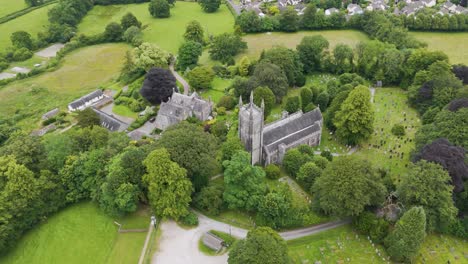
50	114
110	122
212	241
291	129
84	99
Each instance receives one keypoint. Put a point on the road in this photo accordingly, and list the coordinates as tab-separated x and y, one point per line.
180	79
180	246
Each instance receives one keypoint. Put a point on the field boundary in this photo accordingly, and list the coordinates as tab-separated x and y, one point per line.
25	11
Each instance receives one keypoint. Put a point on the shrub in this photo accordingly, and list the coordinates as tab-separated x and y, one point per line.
227	102
398	130
49	121
191	219
309	107
22	54
210	199
113	32
159	8
133	36
292	104
321	162
221	111
327	154
367	223
221	71
272	171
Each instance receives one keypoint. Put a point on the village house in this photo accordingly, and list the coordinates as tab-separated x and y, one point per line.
354	9
268	144
180	107
330	11
85	101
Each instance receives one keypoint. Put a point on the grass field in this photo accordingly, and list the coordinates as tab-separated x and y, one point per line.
452	43
339	245
258	42
32	23
383	148
443	249
81	234
167	32
10	6
81	72
217	90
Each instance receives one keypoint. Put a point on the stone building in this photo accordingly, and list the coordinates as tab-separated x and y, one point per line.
180	107
85	101
268	143
110	122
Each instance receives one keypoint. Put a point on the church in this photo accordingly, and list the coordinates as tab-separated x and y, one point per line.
268	143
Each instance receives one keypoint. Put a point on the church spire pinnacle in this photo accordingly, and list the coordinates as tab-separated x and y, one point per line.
263	105
240	101
251	98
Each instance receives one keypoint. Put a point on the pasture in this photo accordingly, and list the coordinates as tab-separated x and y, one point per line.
80	72
452	43
33	23
10	6
166	32
81	233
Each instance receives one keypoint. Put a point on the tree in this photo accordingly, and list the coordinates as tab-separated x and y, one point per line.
262	245
225	46
343	57
27	150
355	120
169	189
147	56
22	39
194	32
264	94
289	20
34	2
307	174
271	76
276	207
133	36
311	51
406	239
461	71
159	8
398	130
193	149
451	158
347	186
128	21
272	172
210	6
189	52
244	66
457	104
306	97
293	104
158	86
57	148
249	22
428	185
231	147
210	199
294	159
322	101
201	77
243	183
288	60
88	118
113	32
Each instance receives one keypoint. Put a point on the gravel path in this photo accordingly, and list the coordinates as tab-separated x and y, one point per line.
50	51
180	79
180	246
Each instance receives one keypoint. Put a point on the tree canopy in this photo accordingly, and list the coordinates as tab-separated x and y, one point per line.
158	85
159	8
225	46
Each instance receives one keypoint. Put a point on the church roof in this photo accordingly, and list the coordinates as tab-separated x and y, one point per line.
291	129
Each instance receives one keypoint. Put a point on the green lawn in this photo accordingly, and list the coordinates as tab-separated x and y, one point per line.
258	42
10	6
217	90
81	72
443	249
383	148
339	245
167	32
32	23
453	44
123	110
80	233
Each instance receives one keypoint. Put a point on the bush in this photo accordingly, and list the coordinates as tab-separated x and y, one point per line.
272	171
398	130
49	121
368	224
309	107
191	219
22	54
133	36
210	199
159	8
327	154
293	104
221	111
321	162
227	102
221	71
113	32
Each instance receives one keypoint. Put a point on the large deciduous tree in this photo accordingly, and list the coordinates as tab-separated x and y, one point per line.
347	186
147	56
311	51
113	32
225	46
262	246
189	52
210	6
289	20
264	94
129	20
428	185
159	8
169	189
288	60
403	243
201	77
243	183
194	32
193	149
158	86
355	120
22	39
271	76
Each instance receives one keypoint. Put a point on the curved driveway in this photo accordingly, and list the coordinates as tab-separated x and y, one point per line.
180	246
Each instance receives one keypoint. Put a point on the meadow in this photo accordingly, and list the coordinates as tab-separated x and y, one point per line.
384	149
81	233
33	23
80	72
10	6
452	43
167	32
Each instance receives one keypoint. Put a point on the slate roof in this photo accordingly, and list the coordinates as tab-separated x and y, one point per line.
193	102
83	100
212	241
110	122
291	129
50	114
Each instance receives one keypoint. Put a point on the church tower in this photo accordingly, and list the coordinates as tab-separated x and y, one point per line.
251	128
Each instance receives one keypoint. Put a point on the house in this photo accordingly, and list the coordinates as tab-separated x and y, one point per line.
85	101
412	8
180	107
460	10
268	144
377	5
110	122
282	3
429	3
330	11
443	12
449	6
354	9
50	114
212	241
